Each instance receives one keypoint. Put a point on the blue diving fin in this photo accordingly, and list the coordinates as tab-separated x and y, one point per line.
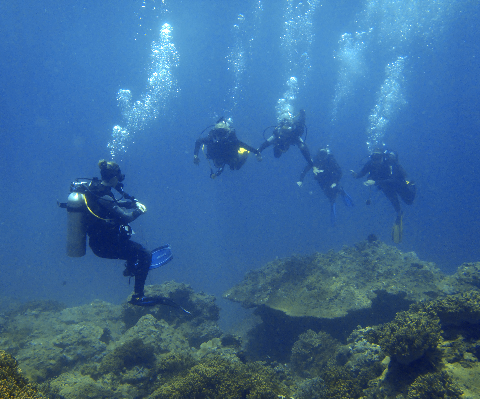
333	214
161	256
347	200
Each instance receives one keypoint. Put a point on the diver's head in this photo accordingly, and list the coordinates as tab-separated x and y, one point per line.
284	128
110	172
323	153
377	155
221	130
222	124
392	156
285	118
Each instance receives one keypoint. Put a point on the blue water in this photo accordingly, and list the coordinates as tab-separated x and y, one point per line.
61	67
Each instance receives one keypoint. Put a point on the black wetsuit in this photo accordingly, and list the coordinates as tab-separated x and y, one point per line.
329	173
390	177
287	134
223	149
109	232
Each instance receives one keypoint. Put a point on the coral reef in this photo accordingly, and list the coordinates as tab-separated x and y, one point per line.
412	333
128	355
409	336
466	278
436	385
217	377
200	326
12	383
455	309
311	352
335	370
311	389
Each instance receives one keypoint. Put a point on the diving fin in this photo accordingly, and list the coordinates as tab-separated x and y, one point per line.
333	214
161	256
155	300
397	230
347	200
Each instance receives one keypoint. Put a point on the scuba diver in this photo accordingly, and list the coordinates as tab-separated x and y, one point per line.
385	172
327	173
93	210
288	132
223	148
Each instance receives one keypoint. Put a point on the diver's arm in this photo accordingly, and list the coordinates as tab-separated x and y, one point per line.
199	143
267	143
303	174
363	172
217	173
127	203
117	212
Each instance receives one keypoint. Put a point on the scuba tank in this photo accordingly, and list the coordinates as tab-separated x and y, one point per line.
76	225
77	214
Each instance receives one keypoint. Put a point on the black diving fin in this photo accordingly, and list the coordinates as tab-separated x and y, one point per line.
155	300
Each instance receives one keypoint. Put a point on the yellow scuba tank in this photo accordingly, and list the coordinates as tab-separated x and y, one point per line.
76	225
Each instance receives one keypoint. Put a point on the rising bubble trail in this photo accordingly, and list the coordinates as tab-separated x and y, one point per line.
161	85
244	31
389	101
296	42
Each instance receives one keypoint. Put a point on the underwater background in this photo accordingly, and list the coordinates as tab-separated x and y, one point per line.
403	73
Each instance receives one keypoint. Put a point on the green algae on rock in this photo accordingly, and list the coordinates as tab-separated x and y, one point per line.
333	284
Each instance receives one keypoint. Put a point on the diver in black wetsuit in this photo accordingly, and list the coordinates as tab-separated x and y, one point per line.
288	132
385	172
327	173
93	210
108	226
223	148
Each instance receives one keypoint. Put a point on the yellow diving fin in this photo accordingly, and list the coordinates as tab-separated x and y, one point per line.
397	230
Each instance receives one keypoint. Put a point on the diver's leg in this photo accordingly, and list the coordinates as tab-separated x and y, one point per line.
107	244
305	151
277	151
141	259
391	194
407	192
